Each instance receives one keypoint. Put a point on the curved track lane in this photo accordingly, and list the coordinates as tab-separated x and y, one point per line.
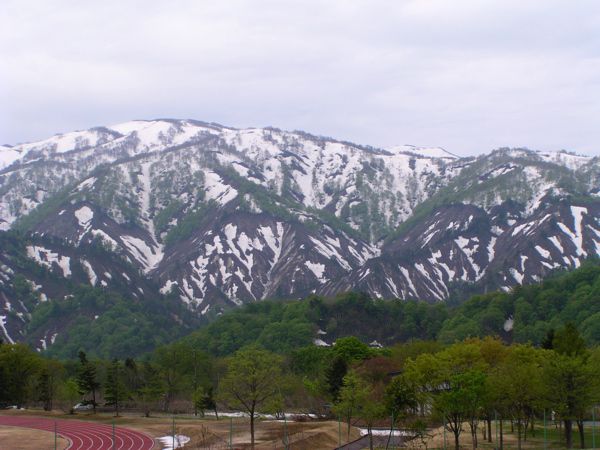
85	435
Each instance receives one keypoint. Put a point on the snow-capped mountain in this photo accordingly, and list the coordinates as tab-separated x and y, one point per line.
212	217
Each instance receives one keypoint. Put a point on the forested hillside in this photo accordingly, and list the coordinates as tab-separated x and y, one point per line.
105	325
526	314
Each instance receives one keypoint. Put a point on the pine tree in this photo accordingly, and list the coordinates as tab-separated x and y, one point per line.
45	390
86	378
334	377
151	387
203	398
115	390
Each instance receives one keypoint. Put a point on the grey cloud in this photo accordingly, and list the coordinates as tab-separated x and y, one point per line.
466	75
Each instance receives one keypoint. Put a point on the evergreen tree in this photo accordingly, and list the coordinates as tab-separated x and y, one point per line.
151	387
87	382
49	378
548	342
115	390
204	400
568	341
334	377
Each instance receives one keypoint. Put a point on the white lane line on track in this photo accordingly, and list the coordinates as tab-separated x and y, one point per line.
80	434
101	432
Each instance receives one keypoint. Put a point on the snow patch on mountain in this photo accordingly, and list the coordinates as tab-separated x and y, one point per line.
148	256
47	258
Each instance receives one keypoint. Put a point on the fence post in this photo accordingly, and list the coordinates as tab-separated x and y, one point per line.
113	434
496	429
285	433
545	432
231	433
444	435
55	435
173	431
594	427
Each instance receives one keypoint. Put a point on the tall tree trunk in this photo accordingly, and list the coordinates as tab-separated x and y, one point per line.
569	432
489	427
370	428
581	433
456	443
519	430
532	425
349	424
501	443
387	444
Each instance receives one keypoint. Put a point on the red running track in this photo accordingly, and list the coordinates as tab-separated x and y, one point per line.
84	435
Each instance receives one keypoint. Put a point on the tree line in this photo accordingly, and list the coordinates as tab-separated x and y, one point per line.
416	386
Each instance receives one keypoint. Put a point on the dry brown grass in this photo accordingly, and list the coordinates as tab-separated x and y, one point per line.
28	439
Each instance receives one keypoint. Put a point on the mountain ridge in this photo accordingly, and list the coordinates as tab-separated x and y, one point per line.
215	216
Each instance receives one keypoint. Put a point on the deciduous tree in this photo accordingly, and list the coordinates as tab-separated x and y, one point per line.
252	381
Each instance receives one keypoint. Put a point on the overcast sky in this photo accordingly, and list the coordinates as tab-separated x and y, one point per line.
468	76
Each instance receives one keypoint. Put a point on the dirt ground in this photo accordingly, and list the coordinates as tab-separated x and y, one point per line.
205	433
26	439
436	440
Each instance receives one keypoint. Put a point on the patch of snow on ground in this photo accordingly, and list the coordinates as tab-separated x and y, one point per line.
106	238
556	243
167	287
382	432
86	184
431	152
84	216
148	256
179	440
407	276
64	262
3	326
516	275
317	268
8	156
329	251
543	252
90	272
216	189
578	213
